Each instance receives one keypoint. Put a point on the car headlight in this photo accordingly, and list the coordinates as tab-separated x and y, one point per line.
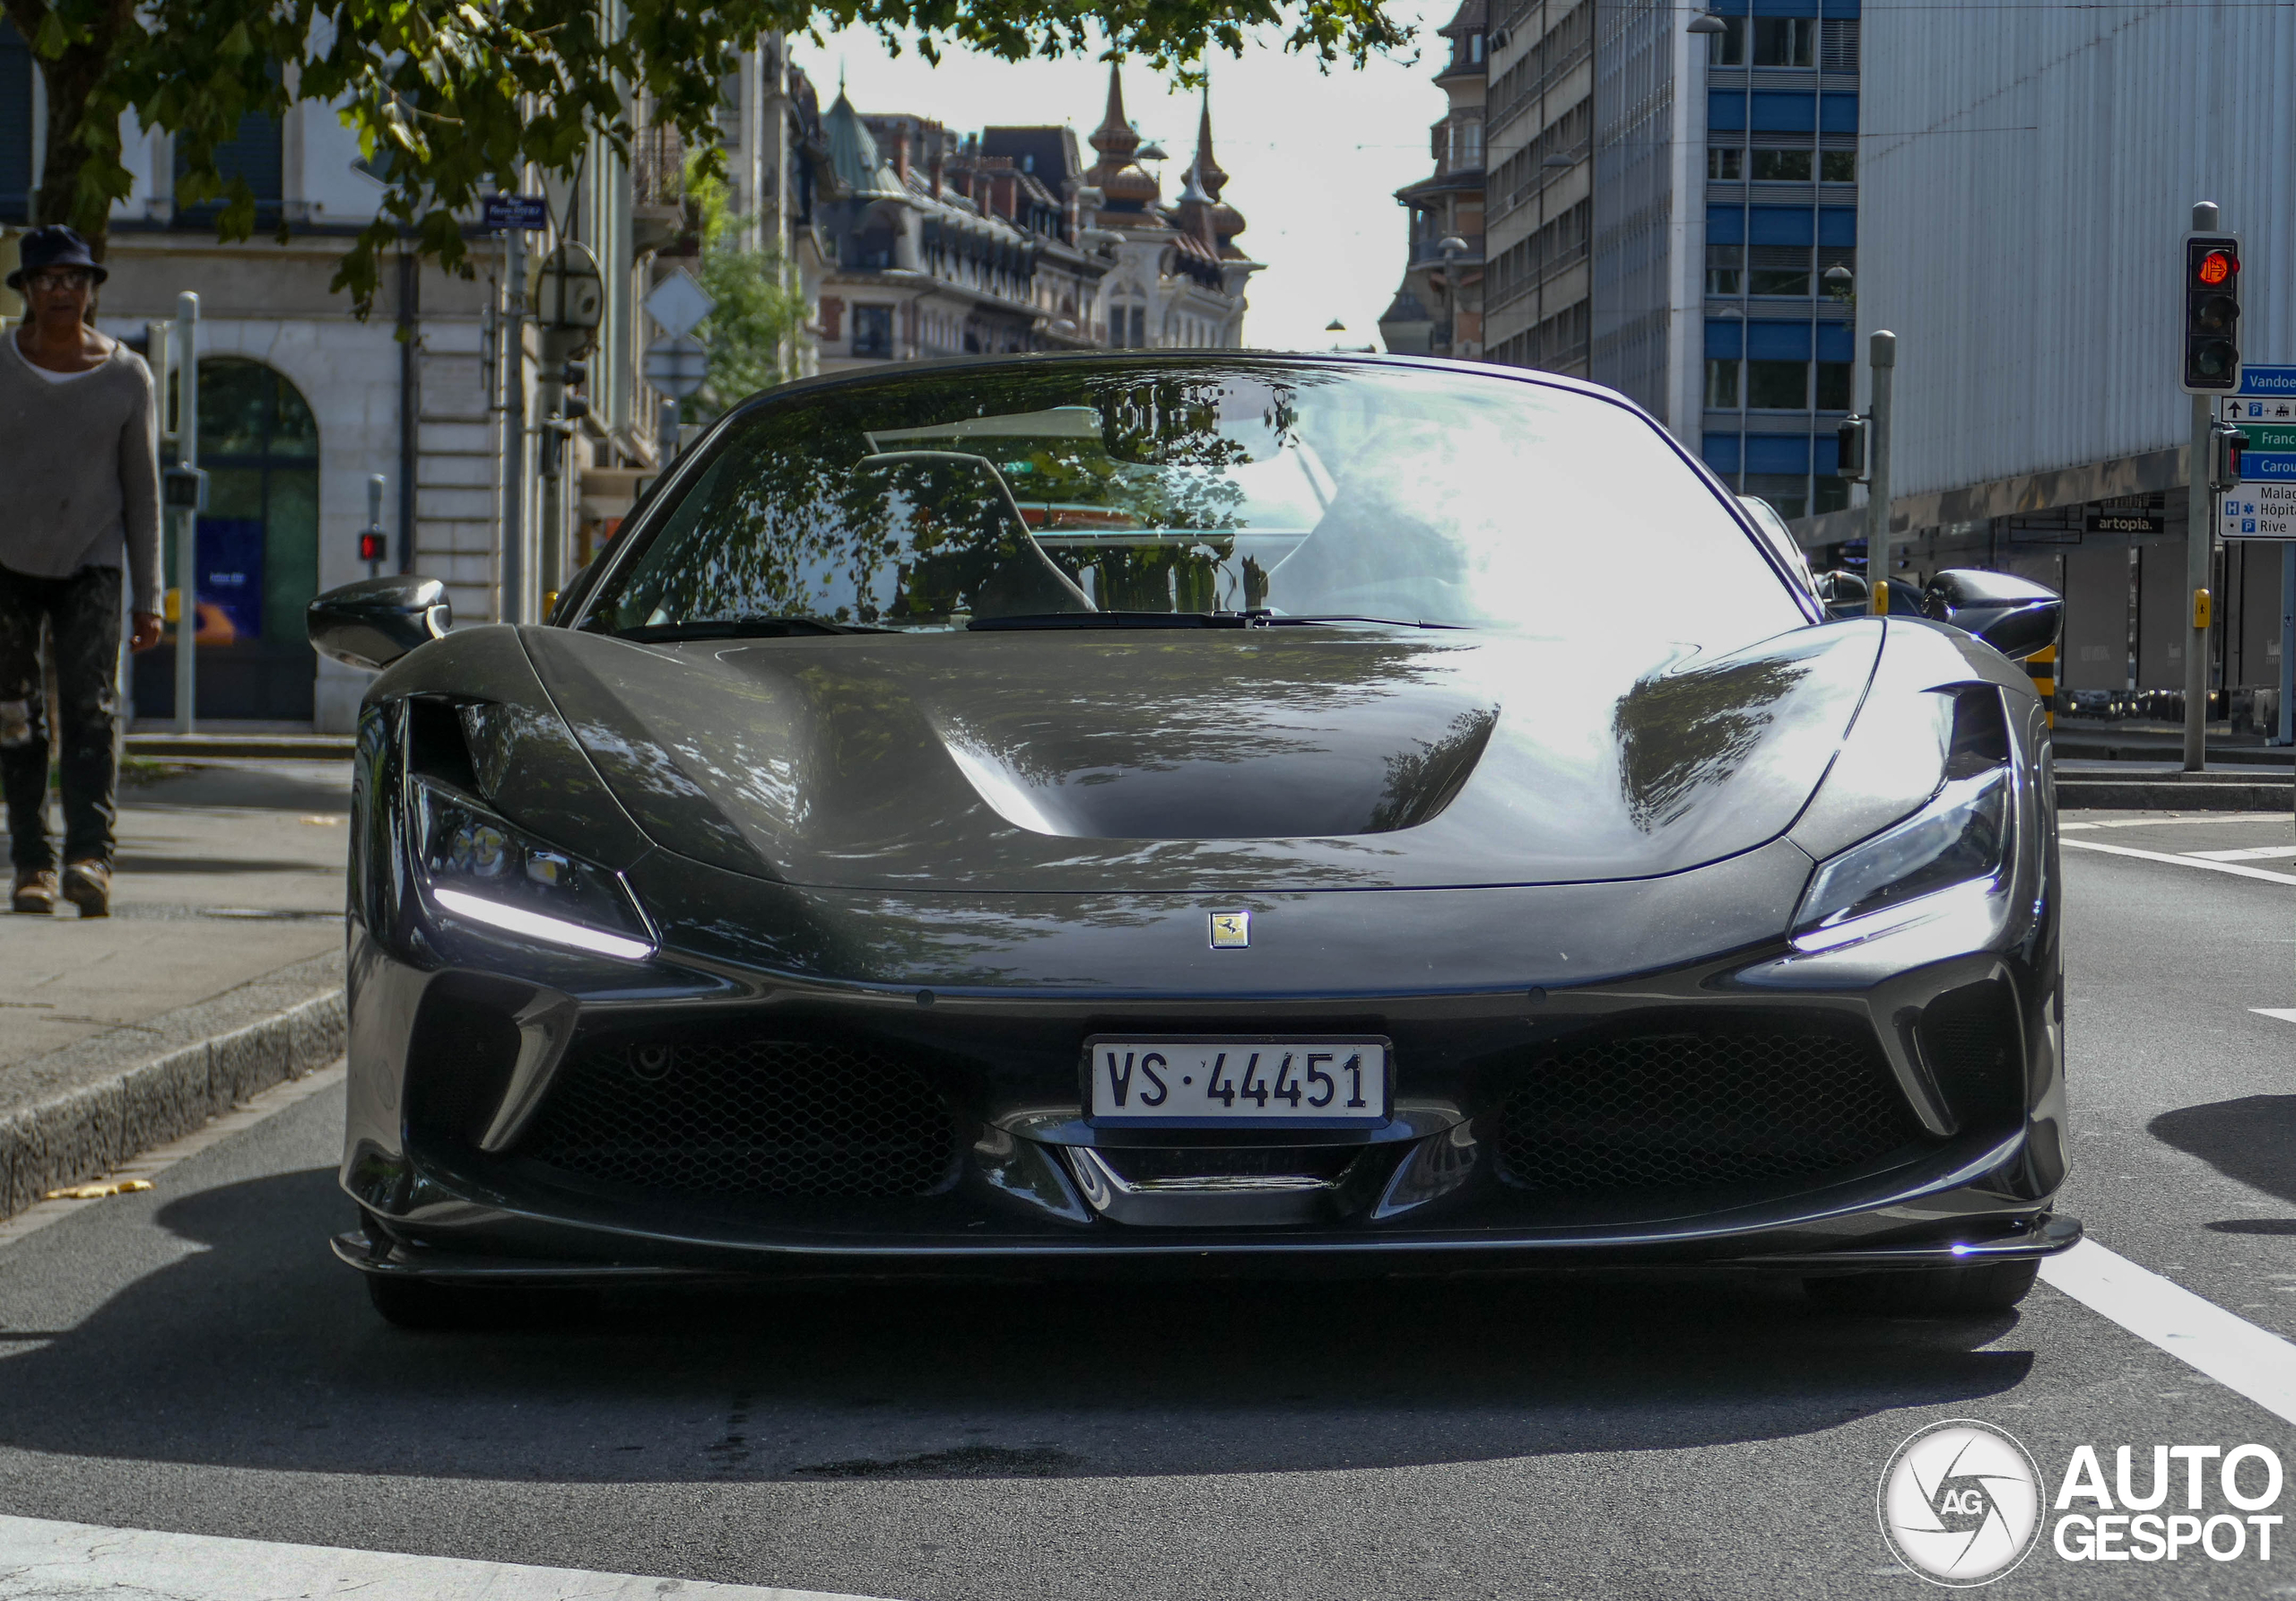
477	867
1955	845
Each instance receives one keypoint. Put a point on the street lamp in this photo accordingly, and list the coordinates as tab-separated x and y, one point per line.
1837	279
1452	246
1706	22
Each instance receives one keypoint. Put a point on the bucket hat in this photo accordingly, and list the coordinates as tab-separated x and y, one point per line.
54	246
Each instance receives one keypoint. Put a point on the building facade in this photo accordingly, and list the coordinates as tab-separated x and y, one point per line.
2024	193
1780	108
919	242
1663	206
1438	309
1541	107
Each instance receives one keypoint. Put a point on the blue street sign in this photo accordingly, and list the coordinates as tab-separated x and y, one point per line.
2268	467
2268	380
532	211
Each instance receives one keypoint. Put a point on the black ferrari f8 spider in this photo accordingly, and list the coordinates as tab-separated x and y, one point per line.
1208	811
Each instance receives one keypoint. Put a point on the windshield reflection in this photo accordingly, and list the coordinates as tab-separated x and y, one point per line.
936	499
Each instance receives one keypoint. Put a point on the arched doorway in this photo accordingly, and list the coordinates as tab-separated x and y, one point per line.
258	551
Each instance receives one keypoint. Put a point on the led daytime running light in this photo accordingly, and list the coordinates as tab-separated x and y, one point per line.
556	931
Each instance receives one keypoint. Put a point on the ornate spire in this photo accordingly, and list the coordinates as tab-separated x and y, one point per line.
1116	175
1207	170
1114	138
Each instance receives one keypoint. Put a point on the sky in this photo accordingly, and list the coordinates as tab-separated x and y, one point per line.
1313	160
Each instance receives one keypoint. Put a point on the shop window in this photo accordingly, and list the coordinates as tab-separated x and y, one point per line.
1777	386
256	551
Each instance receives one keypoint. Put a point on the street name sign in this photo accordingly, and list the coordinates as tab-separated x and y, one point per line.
528	212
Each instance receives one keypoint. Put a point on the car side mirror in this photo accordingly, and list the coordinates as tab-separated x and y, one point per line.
2015	616
372	623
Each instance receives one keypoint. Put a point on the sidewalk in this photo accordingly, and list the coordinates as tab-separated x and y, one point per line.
218	973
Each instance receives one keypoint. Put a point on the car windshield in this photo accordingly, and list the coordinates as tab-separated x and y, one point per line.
1146	493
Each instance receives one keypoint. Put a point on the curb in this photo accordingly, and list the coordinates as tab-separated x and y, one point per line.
2136	795
87	1129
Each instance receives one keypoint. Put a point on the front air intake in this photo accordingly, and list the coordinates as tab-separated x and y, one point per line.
768	1118
1672	1112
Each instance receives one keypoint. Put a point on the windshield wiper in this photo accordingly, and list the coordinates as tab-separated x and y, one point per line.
1320	617
743	628
1032	619
1253	619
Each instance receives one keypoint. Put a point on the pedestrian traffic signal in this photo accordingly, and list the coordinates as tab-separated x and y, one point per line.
370	547
2212	314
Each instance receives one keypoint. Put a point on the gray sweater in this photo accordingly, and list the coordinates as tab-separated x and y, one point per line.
80	472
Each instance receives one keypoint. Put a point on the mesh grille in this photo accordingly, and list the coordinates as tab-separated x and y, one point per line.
1694	1111
769	1118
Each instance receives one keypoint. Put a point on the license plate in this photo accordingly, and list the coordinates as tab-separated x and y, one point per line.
1228	1081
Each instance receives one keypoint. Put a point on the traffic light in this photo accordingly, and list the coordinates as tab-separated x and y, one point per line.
2212	314
371	545
1850	450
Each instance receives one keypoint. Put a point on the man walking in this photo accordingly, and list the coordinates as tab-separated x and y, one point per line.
79	458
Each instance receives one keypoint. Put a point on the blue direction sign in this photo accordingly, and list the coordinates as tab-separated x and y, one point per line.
2268	467
532	211
2268	380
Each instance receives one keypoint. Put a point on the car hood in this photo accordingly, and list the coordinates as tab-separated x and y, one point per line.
1207	761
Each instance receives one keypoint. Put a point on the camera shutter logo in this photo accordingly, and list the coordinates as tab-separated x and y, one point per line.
1960	1503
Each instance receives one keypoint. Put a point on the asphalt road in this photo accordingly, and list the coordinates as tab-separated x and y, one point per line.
191	1359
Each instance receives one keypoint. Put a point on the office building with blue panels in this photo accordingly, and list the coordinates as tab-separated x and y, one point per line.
1781	211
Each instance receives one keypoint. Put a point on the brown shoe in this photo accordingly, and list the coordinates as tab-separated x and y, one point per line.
88	886
34	892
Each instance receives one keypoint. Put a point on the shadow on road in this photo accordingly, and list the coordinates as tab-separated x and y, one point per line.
2252	1140
260	1352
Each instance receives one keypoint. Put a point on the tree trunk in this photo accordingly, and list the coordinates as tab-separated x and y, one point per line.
71	80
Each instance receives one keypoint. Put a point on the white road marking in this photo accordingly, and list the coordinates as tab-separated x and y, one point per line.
2286	1013
2090	823
2181	861
2246	853
63	1560
2235	1353
159	1159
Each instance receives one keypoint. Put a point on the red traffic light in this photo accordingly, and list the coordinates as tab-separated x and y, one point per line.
2216	268
371	547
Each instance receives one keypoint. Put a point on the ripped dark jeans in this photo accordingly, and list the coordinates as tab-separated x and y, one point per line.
83	618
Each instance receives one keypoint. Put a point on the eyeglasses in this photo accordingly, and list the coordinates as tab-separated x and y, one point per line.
60	278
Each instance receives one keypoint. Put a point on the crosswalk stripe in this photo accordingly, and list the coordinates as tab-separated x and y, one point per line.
2252	1362
38	1558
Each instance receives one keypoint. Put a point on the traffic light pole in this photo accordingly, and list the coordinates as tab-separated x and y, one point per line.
2200	532
1881	357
